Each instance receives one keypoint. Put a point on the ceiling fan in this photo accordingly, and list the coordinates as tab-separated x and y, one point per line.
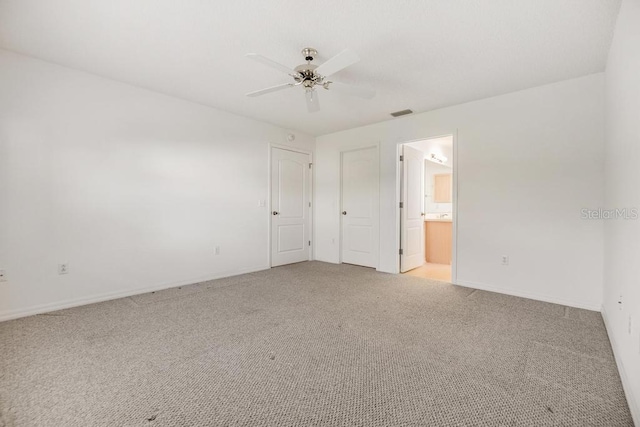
309	76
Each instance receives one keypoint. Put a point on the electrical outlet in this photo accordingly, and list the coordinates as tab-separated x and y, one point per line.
3	276
505	260
217	250
262	203
63	268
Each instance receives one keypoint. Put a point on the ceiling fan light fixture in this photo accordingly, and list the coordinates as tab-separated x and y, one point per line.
313	104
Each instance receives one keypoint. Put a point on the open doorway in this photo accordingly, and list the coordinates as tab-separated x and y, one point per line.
427	210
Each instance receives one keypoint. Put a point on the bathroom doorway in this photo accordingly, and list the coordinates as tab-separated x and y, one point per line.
427	212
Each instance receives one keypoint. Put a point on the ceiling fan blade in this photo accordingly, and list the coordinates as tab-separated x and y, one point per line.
362	92
313	104
338	62
270	63
270	89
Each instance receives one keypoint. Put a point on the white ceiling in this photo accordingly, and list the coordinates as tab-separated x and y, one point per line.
418	54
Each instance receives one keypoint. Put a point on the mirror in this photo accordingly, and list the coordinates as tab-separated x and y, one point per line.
442	188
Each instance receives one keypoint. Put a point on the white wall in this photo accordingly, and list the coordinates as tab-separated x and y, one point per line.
132	188
622	177
527	163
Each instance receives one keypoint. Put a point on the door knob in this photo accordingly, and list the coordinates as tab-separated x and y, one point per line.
422	214
276	213
344	212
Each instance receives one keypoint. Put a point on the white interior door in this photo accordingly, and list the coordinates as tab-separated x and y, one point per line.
412	211
360	207
290	206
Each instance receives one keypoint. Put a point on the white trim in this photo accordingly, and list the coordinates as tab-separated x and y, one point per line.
45	308
530	295
398	231
454	196
631	402
290	148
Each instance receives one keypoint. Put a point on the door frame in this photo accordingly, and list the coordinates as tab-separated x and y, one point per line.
454	199
375	146
311	199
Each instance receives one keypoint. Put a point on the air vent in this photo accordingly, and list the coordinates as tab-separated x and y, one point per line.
401	113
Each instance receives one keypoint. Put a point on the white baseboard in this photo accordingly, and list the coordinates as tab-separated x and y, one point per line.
59	305
631	401
530	295
328	261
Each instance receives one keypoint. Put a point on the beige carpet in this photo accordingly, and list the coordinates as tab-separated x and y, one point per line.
311	344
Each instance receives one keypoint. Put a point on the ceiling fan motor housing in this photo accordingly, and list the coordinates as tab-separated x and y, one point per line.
307	75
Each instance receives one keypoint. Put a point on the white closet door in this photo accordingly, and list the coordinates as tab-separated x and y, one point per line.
290	197
360	207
